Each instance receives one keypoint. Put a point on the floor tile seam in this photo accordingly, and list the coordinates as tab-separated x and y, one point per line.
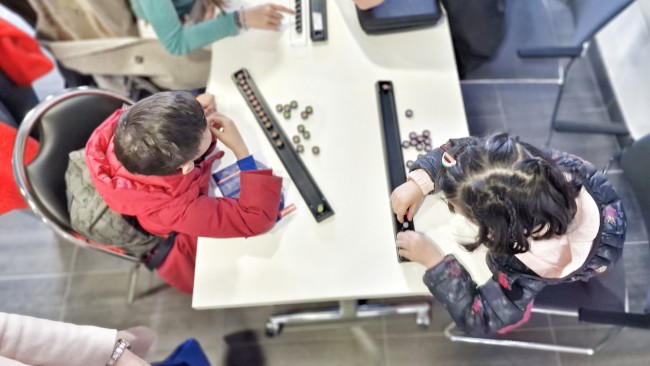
637	242
438	333
563	116
484	115
558	358
68	285
584	112
502	115
586	326
512	81
277	340
33	276
99	272
384	342
386	336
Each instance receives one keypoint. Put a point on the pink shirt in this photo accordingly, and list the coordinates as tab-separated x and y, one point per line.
560	256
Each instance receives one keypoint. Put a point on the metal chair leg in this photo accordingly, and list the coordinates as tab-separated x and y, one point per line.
350	309
133	281
556	108
453	334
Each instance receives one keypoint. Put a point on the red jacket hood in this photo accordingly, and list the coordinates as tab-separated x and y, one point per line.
134	194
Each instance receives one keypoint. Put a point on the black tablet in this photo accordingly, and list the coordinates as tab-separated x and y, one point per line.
399	15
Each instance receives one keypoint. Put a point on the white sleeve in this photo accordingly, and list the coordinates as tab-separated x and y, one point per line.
36	341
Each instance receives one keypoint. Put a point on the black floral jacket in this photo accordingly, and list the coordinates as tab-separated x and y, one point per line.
506	299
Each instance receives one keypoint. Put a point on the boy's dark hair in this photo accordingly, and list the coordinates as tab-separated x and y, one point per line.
156	135
511	190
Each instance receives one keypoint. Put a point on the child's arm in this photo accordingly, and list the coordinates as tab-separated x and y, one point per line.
476	310
254	213
406	198
497	306
33	341
177	39
225	130
431	162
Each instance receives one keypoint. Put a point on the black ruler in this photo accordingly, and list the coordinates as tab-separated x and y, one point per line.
318	20
392	149
316	201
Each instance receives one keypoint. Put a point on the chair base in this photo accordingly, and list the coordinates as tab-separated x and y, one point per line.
349	310
454	334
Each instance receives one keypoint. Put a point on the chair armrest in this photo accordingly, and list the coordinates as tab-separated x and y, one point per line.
554	52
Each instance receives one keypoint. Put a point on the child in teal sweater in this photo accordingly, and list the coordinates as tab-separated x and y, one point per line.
187	25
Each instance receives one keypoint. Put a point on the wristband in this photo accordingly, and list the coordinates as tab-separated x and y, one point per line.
423	180
239	19
120	346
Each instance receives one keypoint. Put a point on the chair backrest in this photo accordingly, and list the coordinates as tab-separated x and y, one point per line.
634	162
592	15
65	121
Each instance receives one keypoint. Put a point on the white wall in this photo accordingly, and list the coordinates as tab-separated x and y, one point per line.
625	48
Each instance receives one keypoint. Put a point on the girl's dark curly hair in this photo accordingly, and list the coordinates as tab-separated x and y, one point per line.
511	190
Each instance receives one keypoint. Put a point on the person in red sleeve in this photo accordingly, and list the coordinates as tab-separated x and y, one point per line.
21	63
153	161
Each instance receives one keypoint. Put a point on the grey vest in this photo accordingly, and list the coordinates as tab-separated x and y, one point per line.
93	219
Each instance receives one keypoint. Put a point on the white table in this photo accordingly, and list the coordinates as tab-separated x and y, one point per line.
352	254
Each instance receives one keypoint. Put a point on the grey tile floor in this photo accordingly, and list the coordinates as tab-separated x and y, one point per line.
42	276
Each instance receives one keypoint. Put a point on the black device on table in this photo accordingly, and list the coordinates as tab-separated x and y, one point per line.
318	20
399	15
316	201
392	149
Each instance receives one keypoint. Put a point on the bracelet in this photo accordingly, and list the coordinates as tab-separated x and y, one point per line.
120	346
239	19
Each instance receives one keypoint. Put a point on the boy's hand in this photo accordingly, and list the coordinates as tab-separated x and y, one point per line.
208	103
224	129
266	16
417	247
405	200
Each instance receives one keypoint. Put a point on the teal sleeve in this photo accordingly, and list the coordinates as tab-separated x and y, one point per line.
180	40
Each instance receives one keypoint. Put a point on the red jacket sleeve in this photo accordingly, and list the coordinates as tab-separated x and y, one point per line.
22	59
254	213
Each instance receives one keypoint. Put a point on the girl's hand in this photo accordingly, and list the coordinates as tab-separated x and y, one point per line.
208	103
224	129
266	16
405	200
419	248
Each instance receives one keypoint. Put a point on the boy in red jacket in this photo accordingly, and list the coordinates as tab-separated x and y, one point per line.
153	161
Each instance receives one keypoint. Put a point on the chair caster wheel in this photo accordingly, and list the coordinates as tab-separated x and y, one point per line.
423	321
273	329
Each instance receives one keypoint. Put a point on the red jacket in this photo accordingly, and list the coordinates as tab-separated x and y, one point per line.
180	202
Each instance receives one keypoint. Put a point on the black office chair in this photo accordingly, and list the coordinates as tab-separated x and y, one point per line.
634	161
605	292
530	34
65	121
604	298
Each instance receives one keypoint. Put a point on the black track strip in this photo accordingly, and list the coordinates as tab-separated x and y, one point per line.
316	201
318	20
392	148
